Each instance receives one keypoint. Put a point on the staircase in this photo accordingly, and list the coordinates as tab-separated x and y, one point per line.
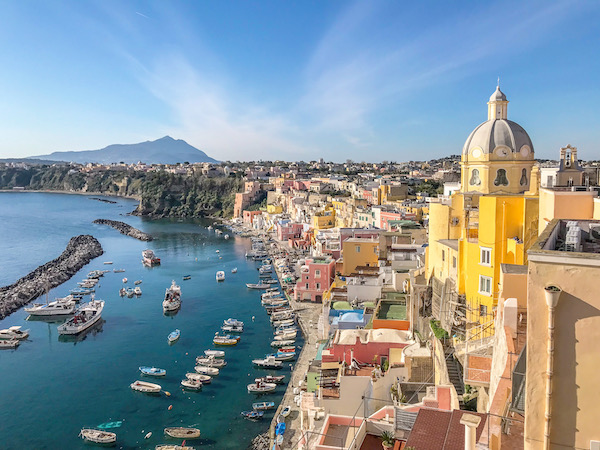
455	375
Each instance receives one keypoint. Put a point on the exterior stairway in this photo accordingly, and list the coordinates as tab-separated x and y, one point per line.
455	375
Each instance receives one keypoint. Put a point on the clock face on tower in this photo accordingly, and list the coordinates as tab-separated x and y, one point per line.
476	153
502	152
524	151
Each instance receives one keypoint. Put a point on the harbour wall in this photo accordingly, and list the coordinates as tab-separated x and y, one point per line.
125	229
80	251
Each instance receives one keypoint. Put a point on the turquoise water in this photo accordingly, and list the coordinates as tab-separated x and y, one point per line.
50	388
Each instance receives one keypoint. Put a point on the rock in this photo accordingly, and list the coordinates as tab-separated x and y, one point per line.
80	251
126	229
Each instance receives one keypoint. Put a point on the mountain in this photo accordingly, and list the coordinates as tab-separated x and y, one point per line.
162	151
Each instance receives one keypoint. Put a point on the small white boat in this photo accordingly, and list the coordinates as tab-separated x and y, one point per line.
257	285
287	336
285	411
153	371
118	270
232	329
97	436
122	292
204	379
222	340
234	270
173	447
182	432
204	370
136	282
108	262
215	353
173	336
226	236
260	387
124	280
144	386
261	406
172	301
211	361
268	363
220	276
282	343
137	290
192	385
9	343
234	322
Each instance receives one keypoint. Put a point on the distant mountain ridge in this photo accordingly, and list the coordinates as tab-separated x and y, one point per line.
165	150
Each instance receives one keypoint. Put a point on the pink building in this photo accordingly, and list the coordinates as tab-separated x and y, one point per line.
316	277
387	216
289	230
249	216
366	346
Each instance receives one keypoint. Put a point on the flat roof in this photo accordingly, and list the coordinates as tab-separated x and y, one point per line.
452	243
513	268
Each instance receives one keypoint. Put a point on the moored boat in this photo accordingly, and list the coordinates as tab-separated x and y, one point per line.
232	329
211	361
59	307
187	277
269	362
221	340
136	282
220	276
205	370
9	343
144	386
172	301
285	411
215	353
97	436
192	385
284	356
173	336
257	285
235	322
173	447
234	270
85	316
149	258
137	290
253	415
182	432
153	371
277	379
282	343
260	387
263	405
204	379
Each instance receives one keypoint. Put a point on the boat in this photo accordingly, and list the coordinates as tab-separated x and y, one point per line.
269	362
204	370
124	280
270	281
173	447
257	285
109	425
288	349
277	379
232	329
286	337
173	336
234	270
192	385
59	307
122	292
149	258
234	322
222	340
130	292
108	262
253	415
209	227
86	315
97	436
118	270
284	356
215	353
136	282
153	371
182	432
204	379
220	275
226	236
144	386
172	301
9	343
286	411
211	361
282	343
263	405
187	277
260	387
81	291
137	290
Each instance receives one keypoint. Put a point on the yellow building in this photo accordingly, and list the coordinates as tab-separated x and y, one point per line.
359	252
324	219
492	220
274	209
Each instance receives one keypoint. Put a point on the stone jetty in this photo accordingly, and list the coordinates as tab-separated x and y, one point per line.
80	251
126	229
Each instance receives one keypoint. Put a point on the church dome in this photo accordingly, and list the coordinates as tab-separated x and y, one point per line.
498	96
498	133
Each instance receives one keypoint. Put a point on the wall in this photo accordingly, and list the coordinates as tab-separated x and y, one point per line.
350	402
367	256
565	205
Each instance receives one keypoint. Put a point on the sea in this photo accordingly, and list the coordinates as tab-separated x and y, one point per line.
51	388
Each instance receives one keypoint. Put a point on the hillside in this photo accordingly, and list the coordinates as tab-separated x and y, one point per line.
162	151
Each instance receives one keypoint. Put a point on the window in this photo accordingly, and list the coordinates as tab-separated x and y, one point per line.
375	250
475	180
454	262
485	285
317	274
306	285
501	179
523	181
443	255
318	286
485	256
357	249
482	310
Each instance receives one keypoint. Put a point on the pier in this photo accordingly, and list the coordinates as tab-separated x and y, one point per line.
80	251
125	229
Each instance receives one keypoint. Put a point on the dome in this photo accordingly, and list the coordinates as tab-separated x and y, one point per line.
498	96
498	133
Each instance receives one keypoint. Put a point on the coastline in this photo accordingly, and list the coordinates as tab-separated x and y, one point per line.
52	191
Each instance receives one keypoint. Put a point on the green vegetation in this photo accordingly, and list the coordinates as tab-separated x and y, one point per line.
438	331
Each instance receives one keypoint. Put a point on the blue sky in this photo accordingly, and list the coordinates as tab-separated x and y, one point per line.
364	80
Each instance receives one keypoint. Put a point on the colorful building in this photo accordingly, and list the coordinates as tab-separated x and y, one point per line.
316	276
358	252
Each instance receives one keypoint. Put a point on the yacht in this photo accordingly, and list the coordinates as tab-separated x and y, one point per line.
86	316
149	258
14	332
172	301
59	307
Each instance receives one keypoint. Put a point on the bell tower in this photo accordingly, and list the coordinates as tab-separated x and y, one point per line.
498	105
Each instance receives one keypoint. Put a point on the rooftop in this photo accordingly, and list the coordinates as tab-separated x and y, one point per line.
569	238
452	243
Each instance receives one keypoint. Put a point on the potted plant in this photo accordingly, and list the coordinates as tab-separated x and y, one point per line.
387	440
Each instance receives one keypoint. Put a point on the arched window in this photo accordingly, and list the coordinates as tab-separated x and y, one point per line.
523	181
475	180
501	179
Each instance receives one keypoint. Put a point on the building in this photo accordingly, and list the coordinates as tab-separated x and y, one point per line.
316	276
357	252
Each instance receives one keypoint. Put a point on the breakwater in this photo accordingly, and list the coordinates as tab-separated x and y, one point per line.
80	251
125	229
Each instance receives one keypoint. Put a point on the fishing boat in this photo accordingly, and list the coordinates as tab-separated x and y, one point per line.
263	405
257	285
204	379
173	447
187	277
136	282
211	361
144	386
260	387
137	290
204	370
234	270
282	343
85	316
173	336
153	371
182	432
215	353
118	270
285	411
253	415
149	258
232	329
9	343
284	356
277	379
97	436
271	294
269	362
270	281
235	322
172	301
220	276
288	336
265	269
130	292
59	307
191	385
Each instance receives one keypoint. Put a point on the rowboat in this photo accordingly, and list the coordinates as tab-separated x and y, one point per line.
253	415
173	447
277	379
285	411
220	340
211	361
290	348
182	432
187	277
282	343
144	386
263	405
136	282
153	371
268	362
215	353
260	387
212	371
284	356
204	379
191	385
257	286
173	336
97	436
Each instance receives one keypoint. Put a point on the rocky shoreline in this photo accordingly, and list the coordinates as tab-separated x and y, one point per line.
126	229
80	251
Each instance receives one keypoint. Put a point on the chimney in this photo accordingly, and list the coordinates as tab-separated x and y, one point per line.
471	422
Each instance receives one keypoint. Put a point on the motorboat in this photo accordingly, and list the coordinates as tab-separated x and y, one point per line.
192	385
225	236
260	387
173	336
222	340
269	362
98	436
137	290
285	411
211	361
257	285
182	432
205	370
81	291
215	353
118	270
232	328
284	356
122	292
263	405
253	415
59	307
9	343
124	280
86	315
277	343
285	324
153	371
136	282
270	281
187	277
144	386
277	379
173	447
272	294
130	292
204	379
149	258
287	336
172	301
234	270
291	348
220	276
235	322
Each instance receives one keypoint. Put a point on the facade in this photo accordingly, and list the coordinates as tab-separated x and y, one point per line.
359	252
316	276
